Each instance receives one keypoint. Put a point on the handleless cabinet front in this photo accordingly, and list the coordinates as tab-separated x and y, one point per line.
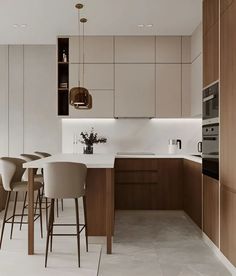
168	91
135	90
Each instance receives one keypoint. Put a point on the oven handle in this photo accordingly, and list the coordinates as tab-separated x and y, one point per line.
208	98
210	138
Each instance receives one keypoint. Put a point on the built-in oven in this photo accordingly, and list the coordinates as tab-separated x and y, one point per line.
211	104
210	150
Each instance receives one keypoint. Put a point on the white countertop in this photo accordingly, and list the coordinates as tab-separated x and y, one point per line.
90	160
99	160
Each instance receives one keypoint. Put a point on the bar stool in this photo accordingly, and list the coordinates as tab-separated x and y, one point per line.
65	180
44	155
11	170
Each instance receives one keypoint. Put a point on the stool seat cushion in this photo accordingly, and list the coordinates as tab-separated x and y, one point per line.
38	178
23	186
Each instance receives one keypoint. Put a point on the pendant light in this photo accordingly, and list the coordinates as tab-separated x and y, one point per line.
79	96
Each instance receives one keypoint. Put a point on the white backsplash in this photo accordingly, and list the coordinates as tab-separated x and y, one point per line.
138	135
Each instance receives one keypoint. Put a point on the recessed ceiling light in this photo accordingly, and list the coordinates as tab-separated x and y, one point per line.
140	25
149	25
23	25
15	25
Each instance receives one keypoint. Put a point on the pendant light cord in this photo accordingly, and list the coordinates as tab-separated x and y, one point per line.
83	54
79	48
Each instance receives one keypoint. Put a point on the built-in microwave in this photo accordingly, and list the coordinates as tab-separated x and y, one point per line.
210	104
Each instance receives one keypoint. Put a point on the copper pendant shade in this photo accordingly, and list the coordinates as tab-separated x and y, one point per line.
79	96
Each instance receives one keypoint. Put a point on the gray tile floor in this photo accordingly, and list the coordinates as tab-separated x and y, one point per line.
160	243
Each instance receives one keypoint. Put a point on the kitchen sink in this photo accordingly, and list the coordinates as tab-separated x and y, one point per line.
197	155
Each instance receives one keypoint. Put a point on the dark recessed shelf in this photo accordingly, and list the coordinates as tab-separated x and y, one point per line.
63	76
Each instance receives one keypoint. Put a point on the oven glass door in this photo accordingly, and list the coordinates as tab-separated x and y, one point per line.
210	107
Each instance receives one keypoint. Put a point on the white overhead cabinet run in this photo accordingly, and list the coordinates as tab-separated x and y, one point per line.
135	90
139	76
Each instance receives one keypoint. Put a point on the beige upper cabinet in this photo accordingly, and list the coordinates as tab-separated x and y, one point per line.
135	90
168	91
168	49
96	76
186	90
97	49
196	87
186	49
134	49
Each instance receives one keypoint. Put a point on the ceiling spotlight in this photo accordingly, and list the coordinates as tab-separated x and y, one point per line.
149	25
15	25
23	25
140	25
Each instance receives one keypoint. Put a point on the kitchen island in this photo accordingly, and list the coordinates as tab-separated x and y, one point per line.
100	197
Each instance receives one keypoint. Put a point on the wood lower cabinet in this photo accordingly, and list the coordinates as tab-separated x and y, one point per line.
148	184
192	190
211	208
228	223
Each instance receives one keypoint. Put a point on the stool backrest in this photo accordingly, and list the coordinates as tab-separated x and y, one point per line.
64	179
28	158
42	154
11	170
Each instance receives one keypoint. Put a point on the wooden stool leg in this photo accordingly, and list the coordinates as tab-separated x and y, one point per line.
50	225
40	213
57	208
85	222
23	210
62	205
5	216
77	228
46	210
13	214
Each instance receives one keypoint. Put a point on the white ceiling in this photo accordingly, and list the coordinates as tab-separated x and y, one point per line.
47	19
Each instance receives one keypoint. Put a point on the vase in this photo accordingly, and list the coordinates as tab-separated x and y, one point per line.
88	149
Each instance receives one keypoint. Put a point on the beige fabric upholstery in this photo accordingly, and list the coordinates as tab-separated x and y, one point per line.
42	154
64	179
23	186
28	158
11	170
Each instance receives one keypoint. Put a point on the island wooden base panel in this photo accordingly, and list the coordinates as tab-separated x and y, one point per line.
100	206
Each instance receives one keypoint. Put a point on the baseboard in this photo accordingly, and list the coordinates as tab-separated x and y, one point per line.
219	254
231	268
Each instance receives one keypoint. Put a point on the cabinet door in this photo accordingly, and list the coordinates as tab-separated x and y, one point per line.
196	87
228	223
211	208
96	76
4	100
186	49
210	14
186	90
211	55
224	5
16	99
135	90
102	106
193	191
134	49
168	49
228	98
97	49
168	90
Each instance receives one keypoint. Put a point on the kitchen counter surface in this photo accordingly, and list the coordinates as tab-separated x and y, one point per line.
179	156
99	160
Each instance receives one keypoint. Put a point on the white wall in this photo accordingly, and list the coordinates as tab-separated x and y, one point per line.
28	100
134	134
